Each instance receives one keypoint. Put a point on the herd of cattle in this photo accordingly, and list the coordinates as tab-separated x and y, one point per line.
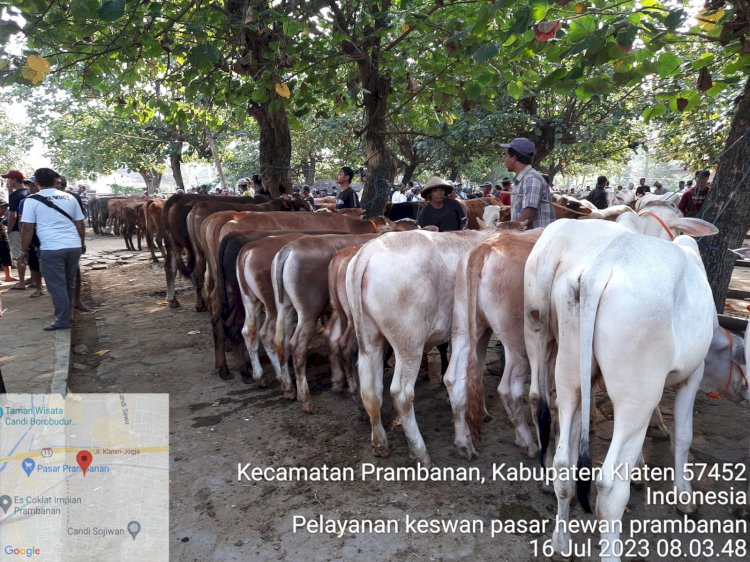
556	298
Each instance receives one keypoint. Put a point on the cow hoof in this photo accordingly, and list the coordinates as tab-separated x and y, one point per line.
174	303
262	382
687	508
468	452
290	394
487	417
381	449
225	375
337	388
246	377
200	307
309	407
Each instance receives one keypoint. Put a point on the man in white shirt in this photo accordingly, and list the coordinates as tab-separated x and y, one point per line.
62	241
398	195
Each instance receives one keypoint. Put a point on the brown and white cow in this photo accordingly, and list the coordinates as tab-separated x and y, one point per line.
489	299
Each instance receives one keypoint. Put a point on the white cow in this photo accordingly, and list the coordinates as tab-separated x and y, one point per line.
400	289
586	282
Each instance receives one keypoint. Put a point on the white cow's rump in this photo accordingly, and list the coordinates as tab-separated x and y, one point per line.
589	284
400	289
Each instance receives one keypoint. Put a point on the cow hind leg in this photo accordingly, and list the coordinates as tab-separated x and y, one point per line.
267	330
298	347
511	390
402	390
683	434
613	488
170	272
656	427
569	413
286	315
250	334
371	389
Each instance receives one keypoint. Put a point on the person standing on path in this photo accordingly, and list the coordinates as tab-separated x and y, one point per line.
57	219
17	192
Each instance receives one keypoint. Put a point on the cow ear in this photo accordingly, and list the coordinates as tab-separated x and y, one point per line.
693	227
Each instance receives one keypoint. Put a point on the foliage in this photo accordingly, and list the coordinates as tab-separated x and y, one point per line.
16	143
125	189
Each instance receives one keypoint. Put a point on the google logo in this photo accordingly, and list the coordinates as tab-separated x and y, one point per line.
27	552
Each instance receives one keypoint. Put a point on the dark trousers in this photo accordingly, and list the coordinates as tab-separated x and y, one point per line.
59	270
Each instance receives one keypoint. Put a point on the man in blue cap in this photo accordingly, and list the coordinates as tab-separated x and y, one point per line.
531	199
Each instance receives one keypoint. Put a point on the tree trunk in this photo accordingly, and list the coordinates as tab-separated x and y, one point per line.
411	167
175	162
217	158
728	204
310	170
275	149
453	173
152	178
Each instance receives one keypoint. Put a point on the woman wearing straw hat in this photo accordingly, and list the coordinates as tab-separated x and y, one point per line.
444	213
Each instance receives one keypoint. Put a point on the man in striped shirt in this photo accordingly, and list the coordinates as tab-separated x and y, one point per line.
531	199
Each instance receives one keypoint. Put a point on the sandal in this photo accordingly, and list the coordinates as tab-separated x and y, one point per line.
17	288
37	293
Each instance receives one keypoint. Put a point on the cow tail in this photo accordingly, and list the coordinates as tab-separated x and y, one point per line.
589	288
475	388
278	289
170	209
541	318
355	277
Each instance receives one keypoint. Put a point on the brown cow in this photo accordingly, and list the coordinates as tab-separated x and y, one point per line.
131	223
250	222
201	233
300	282
176	238
154	209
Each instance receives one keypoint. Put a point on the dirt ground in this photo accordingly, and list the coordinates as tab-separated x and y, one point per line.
216	425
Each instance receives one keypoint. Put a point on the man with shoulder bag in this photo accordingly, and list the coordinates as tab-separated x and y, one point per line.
57	219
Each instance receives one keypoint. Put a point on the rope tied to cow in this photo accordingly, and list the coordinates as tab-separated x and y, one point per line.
729	374
659	220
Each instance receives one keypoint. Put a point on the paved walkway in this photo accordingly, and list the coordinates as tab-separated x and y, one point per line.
31	359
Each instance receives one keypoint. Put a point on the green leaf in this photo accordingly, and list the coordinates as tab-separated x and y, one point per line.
539	10
205	55
668	64
486	78
581	28
482	20
522	19
716	89
472	90
83	10
111	10
485	52
703	61
515	89
552	77
674	19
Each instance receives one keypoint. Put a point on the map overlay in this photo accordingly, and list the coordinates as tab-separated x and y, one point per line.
85	477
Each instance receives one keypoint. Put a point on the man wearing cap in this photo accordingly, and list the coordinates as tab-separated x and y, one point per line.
659	189
446	214
16	193
486	189
530	198
244	189
57	219
692	200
